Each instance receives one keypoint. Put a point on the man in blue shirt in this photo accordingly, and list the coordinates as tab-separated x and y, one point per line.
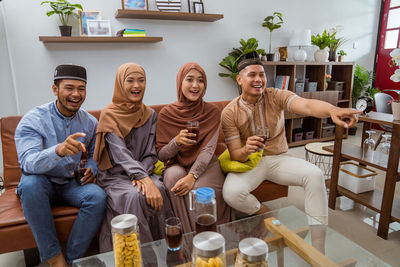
50	140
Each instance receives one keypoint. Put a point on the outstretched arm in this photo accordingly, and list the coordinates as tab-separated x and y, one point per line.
344	117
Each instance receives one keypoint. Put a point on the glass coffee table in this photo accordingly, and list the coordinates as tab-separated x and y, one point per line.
337	248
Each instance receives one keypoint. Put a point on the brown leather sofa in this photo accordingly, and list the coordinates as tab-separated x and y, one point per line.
15	233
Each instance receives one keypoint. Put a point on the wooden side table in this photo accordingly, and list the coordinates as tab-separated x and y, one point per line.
381	202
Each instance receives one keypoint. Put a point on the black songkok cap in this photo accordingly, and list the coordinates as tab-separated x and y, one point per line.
251	58
70	72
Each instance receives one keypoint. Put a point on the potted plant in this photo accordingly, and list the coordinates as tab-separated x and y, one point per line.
322	41
271	25
230	62
333	47
362	81
63	9
341	54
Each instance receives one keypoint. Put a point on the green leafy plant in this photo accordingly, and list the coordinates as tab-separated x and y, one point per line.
271	25
63	9
362	84
335	44
341	53
322	41
230	62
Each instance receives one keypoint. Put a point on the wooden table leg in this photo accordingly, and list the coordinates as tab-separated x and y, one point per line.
390	183
337	151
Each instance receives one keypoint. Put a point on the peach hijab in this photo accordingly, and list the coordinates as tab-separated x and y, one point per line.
173	118
121	116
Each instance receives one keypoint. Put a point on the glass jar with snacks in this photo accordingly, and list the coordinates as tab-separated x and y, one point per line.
126	242
208	250
253	252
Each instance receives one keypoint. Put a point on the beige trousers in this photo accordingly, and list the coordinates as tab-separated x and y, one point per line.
281	169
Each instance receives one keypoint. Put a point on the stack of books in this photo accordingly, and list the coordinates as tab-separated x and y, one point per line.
134	33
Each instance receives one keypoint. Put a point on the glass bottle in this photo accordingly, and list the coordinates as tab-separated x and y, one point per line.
208	250
126	241
205	209
253	252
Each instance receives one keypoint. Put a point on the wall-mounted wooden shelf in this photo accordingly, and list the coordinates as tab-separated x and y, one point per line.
150	14
95	39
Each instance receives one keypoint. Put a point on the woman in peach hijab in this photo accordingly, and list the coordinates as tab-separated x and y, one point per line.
190	163
125	151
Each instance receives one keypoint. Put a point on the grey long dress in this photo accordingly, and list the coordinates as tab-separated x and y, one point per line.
133	158
207	168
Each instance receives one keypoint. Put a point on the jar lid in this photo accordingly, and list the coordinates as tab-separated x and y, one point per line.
208	244
124	223
205	194
253	249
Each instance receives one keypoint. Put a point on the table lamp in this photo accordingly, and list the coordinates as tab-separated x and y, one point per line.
300	38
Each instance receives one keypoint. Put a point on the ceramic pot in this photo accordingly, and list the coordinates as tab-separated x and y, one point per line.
332	56
396	110
321	55
65	30
270	57
340	58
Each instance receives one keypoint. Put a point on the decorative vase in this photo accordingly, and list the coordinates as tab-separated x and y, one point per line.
321	55
332	56
65	30
396	110
340	58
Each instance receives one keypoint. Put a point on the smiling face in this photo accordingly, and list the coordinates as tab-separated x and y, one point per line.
252	80
134	86
193	85
70	96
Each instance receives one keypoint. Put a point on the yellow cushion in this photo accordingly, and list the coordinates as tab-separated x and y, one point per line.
158	167
228	165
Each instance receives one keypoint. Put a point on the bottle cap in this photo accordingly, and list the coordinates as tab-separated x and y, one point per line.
253	249
205	194
208	244
124	223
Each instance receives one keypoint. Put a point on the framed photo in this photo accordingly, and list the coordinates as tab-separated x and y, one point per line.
97	27
198	7
135	4
84	16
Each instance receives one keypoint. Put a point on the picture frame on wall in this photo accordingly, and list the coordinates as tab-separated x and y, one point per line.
98	27
84	16
198	7
135	4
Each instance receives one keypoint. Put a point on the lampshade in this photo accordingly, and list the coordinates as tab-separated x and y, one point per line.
301	38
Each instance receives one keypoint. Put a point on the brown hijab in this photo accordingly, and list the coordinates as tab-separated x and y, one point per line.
119	117
173	118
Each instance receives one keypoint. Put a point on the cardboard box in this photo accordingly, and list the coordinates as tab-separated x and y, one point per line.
311	87
356	178
335	85
328	130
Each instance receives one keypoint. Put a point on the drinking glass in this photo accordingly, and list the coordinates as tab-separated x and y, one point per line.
369	146
173	233
262	132
384	149
193	127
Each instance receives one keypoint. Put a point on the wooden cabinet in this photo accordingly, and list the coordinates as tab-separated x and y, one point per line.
315	72
384	202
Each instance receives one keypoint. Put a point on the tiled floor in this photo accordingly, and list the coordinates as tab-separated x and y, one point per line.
354	221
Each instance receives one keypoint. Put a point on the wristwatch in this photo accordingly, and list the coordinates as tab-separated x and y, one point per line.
195	176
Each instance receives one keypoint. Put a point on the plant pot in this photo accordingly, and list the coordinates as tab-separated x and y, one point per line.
65	30
270	57
340	58
332	56
352	131
321	55
396	110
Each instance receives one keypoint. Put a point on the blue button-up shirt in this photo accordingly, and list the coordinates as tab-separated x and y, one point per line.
41	130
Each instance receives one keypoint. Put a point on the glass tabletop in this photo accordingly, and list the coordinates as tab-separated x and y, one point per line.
335	246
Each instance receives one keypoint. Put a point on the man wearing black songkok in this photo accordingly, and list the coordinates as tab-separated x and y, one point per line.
50	140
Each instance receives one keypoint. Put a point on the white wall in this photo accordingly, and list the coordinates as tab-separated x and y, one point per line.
202	42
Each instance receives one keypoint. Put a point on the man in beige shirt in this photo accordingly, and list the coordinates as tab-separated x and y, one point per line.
258	108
